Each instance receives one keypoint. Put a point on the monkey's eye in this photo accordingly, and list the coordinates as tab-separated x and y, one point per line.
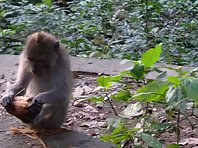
56	45
30	59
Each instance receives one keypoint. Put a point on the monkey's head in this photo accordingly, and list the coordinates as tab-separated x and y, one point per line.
42	52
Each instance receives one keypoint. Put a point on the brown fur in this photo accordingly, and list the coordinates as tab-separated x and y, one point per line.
45	75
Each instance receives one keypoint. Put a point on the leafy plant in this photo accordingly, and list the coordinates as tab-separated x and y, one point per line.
171	92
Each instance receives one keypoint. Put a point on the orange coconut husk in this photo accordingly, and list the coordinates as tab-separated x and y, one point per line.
19	108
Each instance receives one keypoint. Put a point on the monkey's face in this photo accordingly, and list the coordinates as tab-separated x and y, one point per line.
40	67
41	51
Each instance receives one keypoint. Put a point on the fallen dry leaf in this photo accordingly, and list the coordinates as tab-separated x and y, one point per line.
87	89
78	104
99	105
98	89
78	92
189	141
2	81
90	109
8	84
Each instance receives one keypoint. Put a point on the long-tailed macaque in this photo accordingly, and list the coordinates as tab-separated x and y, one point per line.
45	76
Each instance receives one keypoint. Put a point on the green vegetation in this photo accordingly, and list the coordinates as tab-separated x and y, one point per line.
107	28
170	94
123	29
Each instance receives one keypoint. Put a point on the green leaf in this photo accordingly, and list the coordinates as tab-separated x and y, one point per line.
174	80
126	72
96	99
151	141
160	127
122	95
79	41
173	146
119	134
175	98
104	81
137	71
116	78
150	57
153	91
190	87
48	2
113	122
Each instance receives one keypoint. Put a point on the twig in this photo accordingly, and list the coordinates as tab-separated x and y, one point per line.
111	105
177	128
187	118
192	127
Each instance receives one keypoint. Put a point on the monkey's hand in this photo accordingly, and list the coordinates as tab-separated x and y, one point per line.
34	107
7	99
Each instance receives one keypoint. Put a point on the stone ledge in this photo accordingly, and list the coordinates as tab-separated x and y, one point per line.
91	65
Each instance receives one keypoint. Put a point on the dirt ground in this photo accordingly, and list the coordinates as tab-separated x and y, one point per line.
93	122
83	116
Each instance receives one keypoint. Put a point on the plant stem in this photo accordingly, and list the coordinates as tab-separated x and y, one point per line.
109	100
177	128
147	106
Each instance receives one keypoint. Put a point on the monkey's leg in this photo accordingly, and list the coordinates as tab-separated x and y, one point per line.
50	117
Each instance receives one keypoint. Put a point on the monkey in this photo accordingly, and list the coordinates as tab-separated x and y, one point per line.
44	76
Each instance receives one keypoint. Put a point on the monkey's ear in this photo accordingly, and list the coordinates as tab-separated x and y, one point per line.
40	37
56	45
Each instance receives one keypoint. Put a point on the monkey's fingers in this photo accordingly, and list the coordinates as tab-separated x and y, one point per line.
30	99
6	101
34	105
38	103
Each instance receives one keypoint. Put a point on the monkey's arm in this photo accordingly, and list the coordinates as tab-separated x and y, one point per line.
57	97
23	79
53	96
61	91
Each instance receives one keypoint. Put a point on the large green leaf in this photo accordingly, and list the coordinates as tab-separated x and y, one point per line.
104	81
154	91
174	80
190	87
151	56
122	95
175	98
151	141
137	71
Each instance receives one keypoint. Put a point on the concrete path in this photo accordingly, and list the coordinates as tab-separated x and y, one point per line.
92	65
